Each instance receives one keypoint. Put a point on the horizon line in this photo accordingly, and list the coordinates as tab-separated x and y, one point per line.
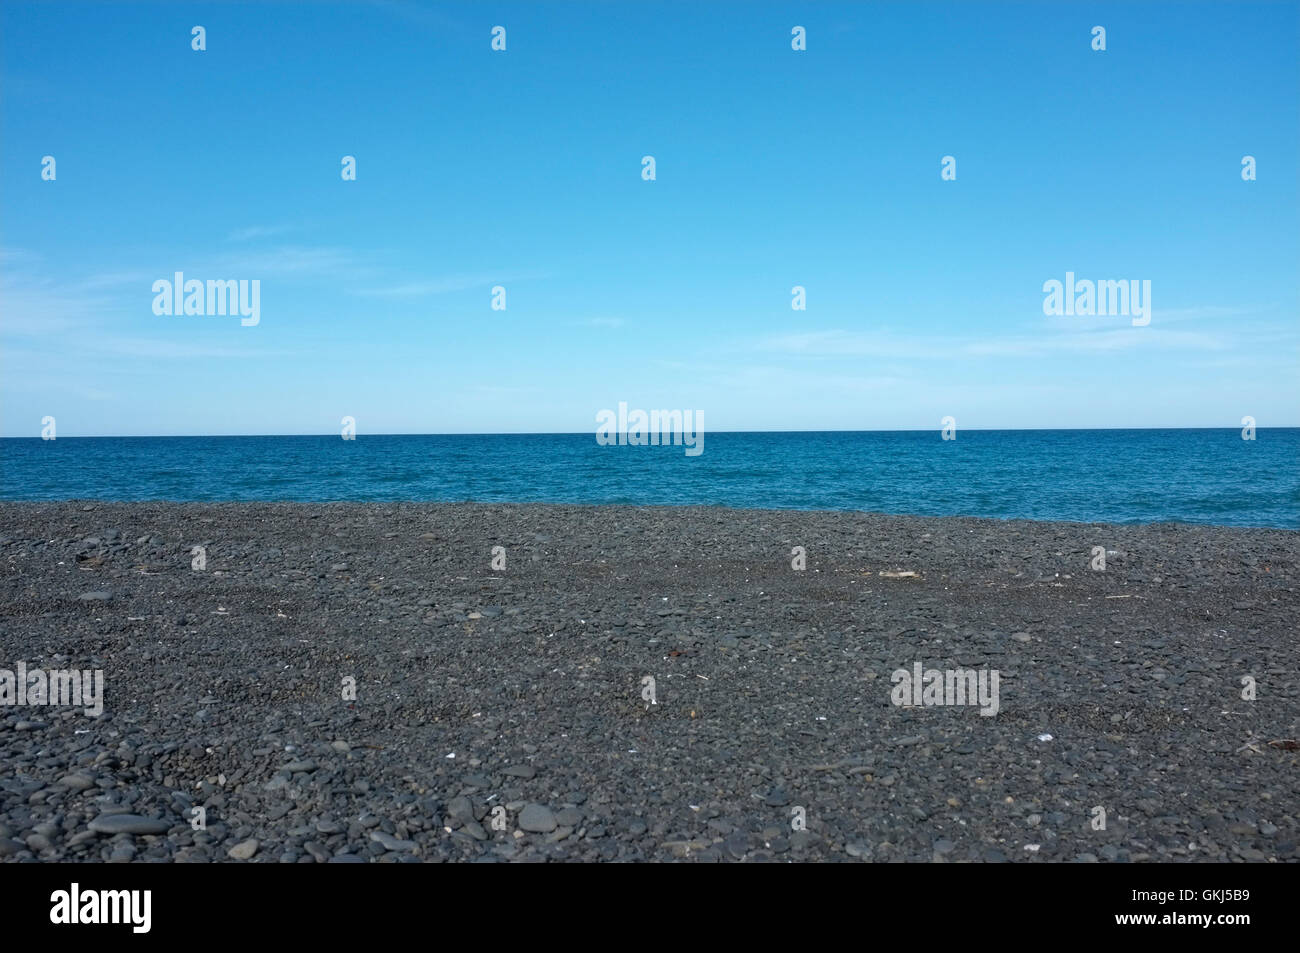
581	433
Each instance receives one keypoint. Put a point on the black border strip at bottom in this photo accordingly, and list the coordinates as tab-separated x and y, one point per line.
242	900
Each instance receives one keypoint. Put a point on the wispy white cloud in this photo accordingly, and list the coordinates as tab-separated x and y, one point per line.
63	320
418	289
1160	317
839	343
1116	339
117	279
1091	338
1165	315
289	261
258	231
445	285
36	307
174	350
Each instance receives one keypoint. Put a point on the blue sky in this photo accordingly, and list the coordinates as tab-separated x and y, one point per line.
522	168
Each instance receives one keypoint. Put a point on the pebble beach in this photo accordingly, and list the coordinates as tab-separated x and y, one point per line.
349	683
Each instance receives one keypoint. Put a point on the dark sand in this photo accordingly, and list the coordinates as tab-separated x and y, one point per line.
224	686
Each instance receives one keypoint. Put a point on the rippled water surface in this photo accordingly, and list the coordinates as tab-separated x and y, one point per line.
1193	476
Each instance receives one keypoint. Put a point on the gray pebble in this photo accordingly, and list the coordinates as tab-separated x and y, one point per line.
243	851
537	818
390	842
128	824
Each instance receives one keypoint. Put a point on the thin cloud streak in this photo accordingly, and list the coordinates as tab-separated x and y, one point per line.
839	343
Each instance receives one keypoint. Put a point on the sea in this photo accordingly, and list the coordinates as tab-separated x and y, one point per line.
1203	476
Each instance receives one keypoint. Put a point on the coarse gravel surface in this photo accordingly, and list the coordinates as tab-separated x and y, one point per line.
503	715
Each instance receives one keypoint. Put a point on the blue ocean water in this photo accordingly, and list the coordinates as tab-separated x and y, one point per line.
1124	476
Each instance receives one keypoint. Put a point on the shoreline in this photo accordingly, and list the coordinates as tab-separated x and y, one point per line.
685	507
774	686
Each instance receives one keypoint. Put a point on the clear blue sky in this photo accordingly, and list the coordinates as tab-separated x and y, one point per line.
775	168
